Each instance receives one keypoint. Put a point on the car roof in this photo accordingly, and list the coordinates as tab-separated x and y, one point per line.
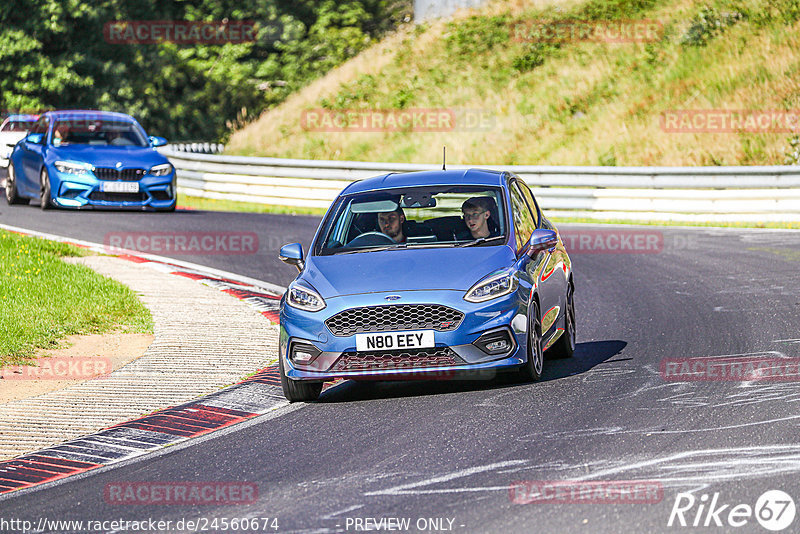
88	114
484	177
19	117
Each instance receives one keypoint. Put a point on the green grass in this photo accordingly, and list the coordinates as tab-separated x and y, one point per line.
43	299
570	103
212	204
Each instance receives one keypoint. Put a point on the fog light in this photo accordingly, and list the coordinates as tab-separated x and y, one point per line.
497	346
302	357
303	353
495	342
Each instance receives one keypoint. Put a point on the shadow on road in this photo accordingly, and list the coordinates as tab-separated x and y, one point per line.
587	355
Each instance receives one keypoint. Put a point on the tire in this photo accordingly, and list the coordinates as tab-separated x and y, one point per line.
12	196
296	391
46	196
565	346
532	370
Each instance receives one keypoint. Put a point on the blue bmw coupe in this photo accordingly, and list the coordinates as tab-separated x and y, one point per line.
426	275
90	159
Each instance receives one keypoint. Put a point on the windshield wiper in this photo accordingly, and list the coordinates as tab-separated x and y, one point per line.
368	249
482	240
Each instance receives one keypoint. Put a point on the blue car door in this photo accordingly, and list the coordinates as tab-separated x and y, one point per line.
32	155
524	225
553	279
538	269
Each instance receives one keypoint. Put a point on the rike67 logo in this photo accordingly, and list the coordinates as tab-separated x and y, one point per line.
774	510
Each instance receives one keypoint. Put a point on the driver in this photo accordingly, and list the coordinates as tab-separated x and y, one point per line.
477	214
391	224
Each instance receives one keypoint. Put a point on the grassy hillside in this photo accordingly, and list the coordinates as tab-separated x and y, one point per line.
581	103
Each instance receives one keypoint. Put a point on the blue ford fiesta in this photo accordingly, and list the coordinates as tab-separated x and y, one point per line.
90	159
426	275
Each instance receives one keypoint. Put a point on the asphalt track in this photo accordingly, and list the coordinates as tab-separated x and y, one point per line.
451	449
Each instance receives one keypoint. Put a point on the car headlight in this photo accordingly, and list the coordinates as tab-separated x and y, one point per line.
491	287
67	167
160	170
305	298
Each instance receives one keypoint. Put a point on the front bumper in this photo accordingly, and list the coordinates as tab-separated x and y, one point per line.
466	360
155	193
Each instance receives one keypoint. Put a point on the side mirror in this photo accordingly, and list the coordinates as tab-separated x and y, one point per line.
156	141
34	138
542	240
292	255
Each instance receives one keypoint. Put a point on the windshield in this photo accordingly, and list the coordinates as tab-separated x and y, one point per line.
98	132
17	126
424	217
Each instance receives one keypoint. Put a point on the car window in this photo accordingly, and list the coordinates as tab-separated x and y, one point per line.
40	126
423	216
524	223
17	126
532	204
97	132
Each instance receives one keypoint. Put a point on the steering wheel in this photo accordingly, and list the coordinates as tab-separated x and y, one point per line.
371	239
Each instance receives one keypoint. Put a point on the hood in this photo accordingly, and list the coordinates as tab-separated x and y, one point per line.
400	270
108	156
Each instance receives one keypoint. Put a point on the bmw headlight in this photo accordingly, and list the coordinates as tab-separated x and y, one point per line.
66	167
491	287
304	298
160	170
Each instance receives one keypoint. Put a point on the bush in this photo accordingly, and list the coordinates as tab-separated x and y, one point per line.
535	56
707	24
477	35
793	154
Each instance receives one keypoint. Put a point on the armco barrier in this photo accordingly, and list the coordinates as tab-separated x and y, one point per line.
633	193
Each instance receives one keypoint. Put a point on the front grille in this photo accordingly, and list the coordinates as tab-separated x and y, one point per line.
127	175
117	197
393	318
402	359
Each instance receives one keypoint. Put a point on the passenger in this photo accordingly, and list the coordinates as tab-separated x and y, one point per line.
60	133
391	224
477	213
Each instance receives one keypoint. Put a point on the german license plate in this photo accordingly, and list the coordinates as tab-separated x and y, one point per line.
413	339
119	187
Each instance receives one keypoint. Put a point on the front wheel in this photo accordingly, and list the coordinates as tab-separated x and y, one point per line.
296	391
12	195
532	370
565	346
46	195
